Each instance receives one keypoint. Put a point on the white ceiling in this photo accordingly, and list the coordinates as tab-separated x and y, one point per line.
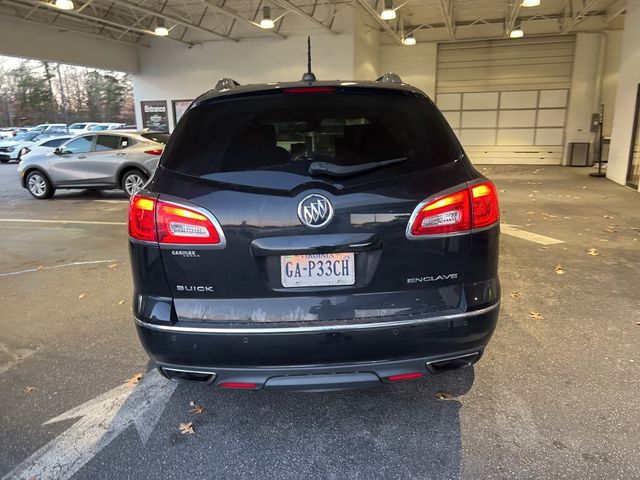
197	21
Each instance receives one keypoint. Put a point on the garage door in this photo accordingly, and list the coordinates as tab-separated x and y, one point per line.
507	99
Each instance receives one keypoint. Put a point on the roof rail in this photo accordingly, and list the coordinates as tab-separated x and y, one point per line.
225	84
389	78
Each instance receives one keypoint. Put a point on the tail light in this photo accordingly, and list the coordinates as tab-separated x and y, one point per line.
405	376
167	223
241	385
310	90
155	151
458	212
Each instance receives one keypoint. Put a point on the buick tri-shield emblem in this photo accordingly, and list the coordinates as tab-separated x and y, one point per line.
315	211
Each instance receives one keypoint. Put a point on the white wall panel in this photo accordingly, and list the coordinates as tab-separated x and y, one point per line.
551	117
484	136
516	136
526	99
517	118
450	101
479	119
480	101
549	136
553	98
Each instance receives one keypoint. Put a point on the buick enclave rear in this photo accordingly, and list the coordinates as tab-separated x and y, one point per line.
314	236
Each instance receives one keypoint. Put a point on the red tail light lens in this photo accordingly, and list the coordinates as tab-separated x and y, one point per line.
238	385
153	220
485	205
310	90
142	222
473	207
178	224
448	214
405	376
155	151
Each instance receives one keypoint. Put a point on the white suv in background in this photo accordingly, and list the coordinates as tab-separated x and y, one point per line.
84	127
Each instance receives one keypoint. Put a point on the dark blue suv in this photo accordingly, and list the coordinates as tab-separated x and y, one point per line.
314	236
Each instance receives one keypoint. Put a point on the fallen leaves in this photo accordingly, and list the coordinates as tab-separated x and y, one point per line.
515	294
444	396
197	409
560	269
81	296
121	302
113	265
28	390
536	315
610	229
186	428
134	380
593	252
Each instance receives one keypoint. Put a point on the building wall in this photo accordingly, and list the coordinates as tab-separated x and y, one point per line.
415	64
366	55
23	39
628	81
170	71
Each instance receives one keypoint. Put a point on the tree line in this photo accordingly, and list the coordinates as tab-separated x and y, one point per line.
33	92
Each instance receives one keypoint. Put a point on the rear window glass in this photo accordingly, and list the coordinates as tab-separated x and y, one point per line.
288	132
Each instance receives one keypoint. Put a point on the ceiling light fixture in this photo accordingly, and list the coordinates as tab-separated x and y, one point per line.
267	23
161	30
65	4
530	3
388	13
516	33
409	40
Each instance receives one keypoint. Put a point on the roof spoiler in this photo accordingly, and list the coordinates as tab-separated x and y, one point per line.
226	84
389	78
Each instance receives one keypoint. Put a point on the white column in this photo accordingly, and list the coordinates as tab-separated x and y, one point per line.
628	82
585	92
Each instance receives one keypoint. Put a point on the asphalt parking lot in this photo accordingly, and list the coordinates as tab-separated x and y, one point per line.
555	395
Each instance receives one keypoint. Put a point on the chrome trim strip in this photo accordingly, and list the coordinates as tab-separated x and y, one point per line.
316	328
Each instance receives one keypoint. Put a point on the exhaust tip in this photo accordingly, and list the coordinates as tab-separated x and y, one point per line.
192	376
454	363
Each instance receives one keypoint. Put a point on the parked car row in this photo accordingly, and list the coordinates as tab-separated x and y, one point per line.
74	128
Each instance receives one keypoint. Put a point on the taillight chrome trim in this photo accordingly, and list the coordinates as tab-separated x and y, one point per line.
210	216
425	202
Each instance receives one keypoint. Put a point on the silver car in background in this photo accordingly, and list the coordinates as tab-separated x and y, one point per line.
104	160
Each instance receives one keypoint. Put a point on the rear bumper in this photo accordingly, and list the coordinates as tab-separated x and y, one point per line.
361	355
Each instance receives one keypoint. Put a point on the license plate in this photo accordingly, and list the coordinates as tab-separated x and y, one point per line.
319	270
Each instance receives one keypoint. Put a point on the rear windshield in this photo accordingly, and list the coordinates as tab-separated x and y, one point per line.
290	132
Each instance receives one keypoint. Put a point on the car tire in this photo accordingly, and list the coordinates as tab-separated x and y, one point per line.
39	185
133	181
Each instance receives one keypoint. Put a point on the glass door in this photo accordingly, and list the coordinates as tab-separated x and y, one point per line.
633	173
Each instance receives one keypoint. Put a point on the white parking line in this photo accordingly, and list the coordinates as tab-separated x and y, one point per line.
73	264
524	235
63	222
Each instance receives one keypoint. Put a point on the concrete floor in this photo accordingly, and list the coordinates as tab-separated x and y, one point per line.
552	398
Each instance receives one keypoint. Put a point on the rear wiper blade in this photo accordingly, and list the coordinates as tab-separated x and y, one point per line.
326	168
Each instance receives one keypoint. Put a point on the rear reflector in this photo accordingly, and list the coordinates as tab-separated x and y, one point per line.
310	90
154	220
155	151
238	385
458	212
405	376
